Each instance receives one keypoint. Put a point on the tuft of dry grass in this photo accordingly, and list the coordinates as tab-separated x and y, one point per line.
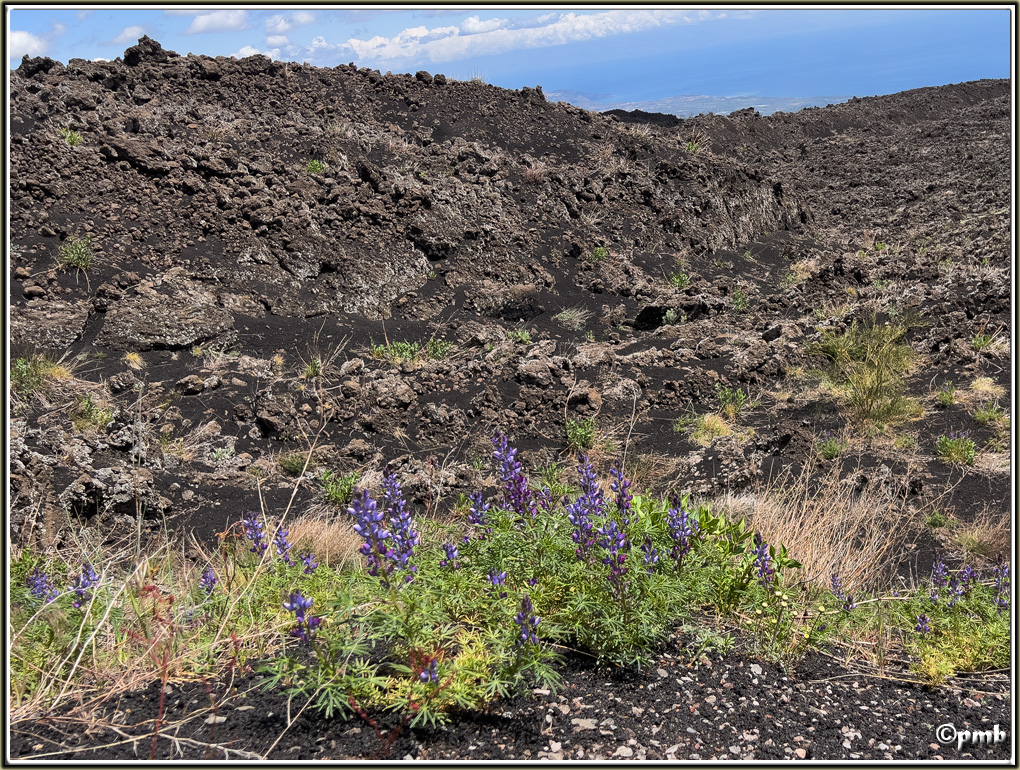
134	361
710	427
830	526
987	538
333	540
985	389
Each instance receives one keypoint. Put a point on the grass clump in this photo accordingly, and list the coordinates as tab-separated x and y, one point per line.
989	413
740	301
338	488
293	463
709	427
34	373
573	318
438	349
582	434
90	416
731	400
70	136
946	395
867	366
679	279
396	352
315	167
519	335
598	254
76	254
830	447
956	448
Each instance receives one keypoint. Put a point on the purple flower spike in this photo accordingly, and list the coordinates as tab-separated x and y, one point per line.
651	555
451	556
41	587
516	494
682	529
283	546
923	626
369	524
614	541
620	485
208	580
82	583
405	537
939	573
430	673
498	580
527	622
837	589
1001	577
299	605
763	562
582	512
255	533
477	516
308	559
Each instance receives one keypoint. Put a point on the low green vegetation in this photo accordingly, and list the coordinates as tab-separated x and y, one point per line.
427	619
946	395
740	301
519	335
731	400
956	448
867	367
338	488
315	167
598	254
830	447
90	416
573	318
70	136
582	434
399	351
76	254
293	463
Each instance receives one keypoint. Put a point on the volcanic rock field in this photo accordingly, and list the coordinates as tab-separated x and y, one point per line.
381	271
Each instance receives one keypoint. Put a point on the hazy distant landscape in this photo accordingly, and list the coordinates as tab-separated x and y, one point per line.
689	105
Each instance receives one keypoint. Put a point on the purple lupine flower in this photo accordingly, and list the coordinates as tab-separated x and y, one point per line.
527	621
308	559
682	530
306	626
837	590
957	589
497	579
589	505
651	554
477	515
451	556
283	546
254	531
923	626
533	581
369	524
545	499
620	485
614	541
430	673
41	587
82	583
1001	576
763	562
516	494
208	580
939	573
405	537
968	576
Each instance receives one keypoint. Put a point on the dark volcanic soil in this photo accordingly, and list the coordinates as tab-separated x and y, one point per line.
461	212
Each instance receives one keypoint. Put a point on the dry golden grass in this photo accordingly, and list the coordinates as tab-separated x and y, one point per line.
333	540
988	537
985	389
710	427
829	526
134	361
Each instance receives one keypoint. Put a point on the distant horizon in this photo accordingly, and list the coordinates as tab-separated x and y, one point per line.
625	54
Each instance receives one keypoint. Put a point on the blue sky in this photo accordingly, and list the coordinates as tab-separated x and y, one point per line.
624	53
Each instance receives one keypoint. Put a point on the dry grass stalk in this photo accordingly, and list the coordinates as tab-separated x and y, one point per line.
831	527
987	538
333	540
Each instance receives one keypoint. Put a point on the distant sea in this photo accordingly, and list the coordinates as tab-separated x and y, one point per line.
687	106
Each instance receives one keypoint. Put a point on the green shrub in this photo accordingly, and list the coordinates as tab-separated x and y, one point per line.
740	301
830	447
956	448
88	415
519	335
315	167
867	365
946	395
598	254
988	413
438	349
76	254
293	463
73	138
396	352
573	318
731	400
582	434
338	488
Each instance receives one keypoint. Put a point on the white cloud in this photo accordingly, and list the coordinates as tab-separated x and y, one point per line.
129	35
248	50
21	43
57	29
475	37
82	15
473	25
277	40
281	24
218	21
100	58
